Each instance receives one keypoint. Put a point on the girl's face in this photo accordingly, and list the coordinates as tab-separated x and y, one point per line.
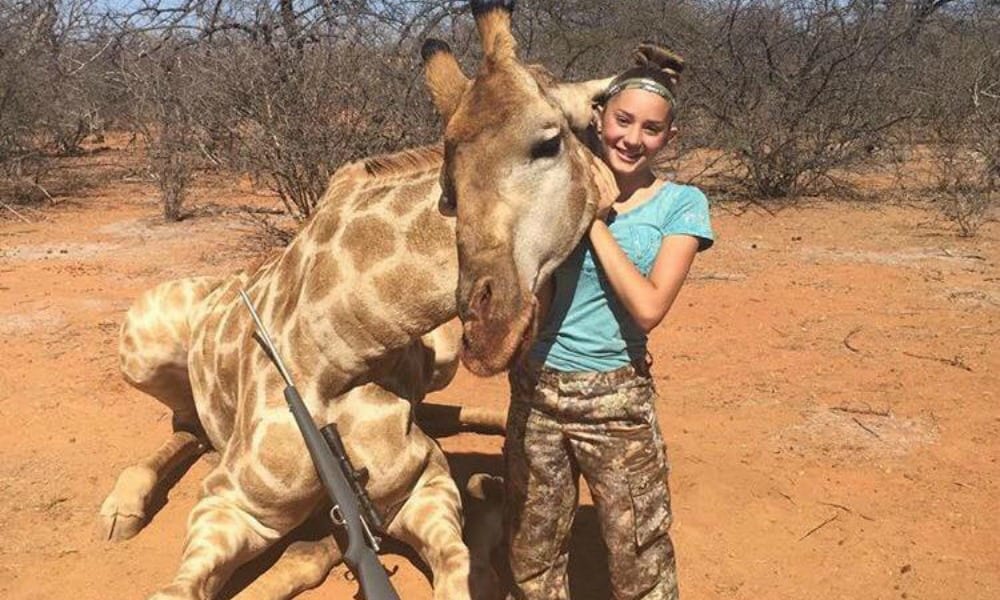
636	124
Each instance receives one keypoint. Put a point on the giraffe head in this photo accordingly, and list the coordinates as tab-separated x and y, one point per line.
516	176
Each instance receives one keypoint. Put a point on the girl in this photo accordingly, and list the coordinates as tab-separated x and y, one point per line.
583	401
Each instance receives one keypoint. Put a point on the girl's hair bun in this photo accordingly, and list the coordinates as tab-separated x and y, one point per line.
652	56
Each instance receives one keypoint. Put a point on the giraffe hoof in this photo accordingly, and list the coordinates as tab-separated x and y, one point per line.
118	527
123	513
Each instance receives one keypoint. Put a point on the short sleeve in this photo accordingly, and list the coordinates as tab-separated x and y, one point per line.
686	213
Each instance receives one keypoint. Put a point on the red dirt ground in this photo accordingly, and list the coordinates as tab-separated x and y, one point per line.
829	382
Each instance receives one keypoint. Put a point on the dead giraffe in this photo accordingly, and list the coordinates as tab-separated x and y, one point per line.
188	344
373	270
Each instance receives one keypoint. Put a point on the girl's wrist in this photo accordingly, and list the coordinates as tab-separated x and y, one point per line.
597	224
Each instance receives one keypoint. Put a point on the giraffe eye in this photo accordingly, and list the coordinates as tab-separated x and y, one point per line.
547	148
446	203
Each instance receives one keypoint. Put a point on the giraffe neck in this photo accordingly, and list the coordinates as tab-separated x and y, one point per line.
374	268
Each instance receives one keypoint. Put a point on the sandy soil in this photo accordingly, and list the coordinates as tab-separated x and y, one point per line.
829	383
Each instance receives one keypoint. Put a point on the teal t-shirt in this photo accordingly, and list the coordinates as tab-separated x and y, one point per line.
587	328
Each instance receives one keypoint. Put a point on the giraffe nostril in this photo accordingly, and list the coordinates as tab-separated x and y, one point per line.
482	295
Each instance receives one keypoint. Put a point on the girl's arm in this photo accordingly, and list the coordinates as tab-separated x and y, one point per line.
646	299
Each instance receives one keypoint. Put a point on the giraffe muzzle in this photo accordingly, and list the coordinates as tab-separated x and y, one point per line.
492	337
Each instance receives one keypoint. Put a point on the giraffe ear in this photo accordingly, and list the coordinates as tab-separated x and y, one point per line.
577	100
444	77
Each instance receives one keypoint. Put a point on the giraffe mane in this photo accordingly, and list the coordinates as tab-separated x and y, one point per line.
404	162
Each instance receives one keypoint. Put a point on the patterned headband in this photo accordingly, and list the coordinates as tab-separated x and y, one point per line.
642	83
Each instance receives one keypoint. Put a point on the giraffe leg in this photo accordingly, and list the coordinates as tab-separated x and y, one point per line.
483	532
153	358
222	535
431	523
302	566
125	511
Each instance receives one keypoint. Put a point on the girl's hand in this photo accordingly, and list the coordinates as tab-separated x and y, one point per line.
607	187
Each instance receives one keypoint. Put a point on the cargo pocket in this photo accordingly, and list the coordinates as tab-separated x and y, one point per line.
650	499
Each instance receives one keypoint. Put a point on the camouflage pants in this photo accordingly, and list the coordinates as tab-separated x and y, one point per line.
602	426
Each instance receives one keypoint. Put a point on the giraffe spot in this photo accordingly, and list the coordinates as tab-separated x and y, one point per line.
402	282
226	374
429	232
256	488
216	482
262	272
227	370
228	291
291	262
295	502
413	195
322	276
324	225
286	300
358	323
371	196
210	337
281	451
219	541
177	299
229	329
368	240
340	186
425	512
345	423
298	337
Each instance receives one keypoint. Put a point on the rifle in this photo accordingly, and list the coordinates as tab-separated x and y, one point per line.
352	508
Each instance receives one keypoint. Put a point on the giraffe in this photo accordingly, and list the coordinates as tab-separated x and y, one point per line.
348	302
188	343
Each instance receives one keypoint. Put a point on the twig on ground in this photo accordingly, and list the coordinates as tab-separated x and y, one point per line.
866	428
862	411
44	191
820	526
847	340
949	254
258	210
718	277
846	509
16	214
955	361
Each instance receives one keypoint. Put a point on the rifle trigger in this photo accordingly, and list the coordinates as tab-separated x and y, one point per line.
336	516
